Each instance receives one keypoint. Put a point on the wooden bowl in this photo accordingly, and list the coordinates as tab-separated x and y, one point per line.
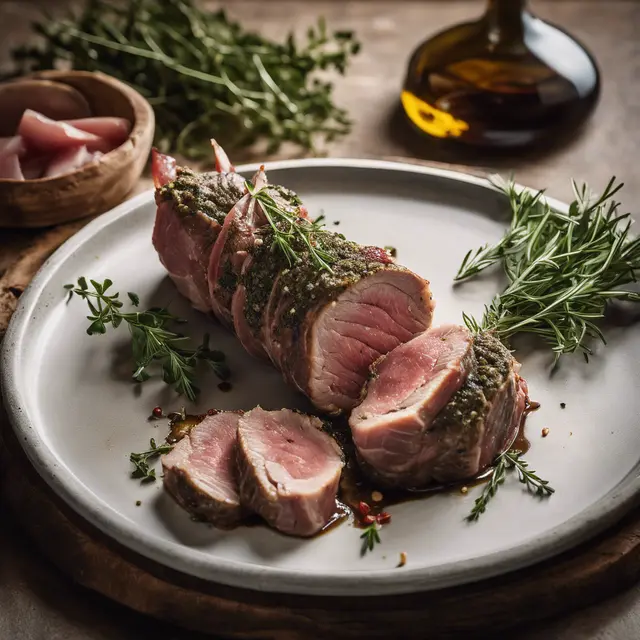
96	187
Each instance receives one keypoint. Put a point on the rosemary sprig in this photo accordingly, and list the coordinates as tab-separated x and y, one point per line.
370	537
151	340
205	75
291	231
563	269
508	461
140	461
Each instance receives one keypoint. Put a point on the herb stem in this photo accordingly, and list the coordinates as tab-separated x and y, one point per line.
150	338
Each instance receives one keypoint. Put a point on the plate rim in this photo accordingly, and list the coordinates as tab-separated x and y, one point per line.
584	525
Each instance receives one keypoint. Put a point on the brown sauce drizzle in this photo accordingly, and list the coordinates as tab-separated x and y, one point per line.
357	488
180	428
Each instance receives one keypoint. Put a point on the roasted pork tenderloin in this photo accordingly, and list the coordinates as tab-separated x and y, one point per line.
438	409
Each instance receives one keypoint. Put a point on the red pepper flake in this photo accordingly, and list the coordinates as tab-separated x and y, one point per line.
383	518
157	412
211	412
364	508
369	519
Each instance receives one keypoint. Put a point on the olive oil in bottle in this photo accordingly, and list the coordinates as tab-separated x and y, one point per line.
506	80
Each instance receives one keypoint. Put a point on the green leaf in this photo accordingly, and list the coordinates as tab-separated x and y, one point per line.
82	282
96	327
135	299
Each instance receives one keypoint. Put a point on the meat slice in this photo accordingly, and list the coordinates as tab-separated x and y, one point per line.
191	211
241	229
45	134
200	471
231	250
289	470
114	130
163	168
439	408
323	329
69	160
10	167
14	145
408	388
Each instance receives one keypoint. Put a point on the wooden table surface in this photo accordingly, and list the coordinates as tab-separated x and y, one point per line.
36	601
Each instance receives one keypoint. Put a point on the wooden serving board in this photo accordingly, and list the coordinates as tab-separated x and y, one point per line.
576	579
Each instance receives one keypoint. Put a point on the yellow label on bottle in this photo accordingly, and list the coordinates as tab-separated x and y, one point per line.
435	122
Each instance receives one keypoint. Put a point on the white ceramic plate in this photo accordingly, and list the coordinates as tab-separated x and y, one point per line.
78	415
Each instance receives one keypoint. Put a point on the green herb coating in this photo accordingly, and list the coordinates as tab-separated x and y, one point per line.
304	285
212	193
470	404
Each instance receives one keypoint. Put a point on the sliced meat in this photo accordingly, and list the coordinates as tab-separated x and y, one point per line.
289	470
234	244
251	340
114	130
323	329
69	160
45	134
482	418
231	250
391	427
14	145
10	167
163	168
34	166
439	408
200	471
191	211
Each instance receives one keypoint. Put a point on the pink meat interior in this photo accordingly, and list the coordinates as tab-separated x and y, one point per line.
406	375
370	319
290	444
208	454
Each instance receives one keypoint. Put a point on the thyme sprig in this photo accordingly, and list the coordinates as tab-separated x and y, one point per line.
508	461
291	231
563	269
204	74
151	339
140	461
370	537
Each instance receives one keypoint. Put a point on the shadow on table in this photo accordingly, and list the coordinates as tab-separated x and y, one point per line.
38	602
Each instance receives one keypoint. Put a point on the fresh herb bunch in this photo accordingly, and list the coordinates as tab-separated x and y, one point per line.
205	75
151	339
288	228
509	461
370	537
140	461
563	269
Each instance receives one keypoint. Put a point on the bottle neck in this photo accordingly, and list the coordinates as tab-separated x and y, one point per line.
505	21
